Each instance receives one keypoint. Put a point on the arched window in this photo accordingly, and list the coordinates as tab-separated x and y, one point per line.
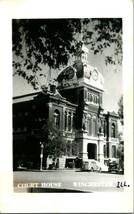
113	130
113	151
57	118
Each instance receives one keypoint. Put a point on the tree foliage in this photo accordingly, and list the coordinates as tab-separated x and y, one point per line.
52	42
120	110
120	153
54	142
120	150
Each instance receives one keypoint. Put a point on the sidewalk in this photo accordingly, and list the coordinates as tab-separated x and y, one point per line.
49	170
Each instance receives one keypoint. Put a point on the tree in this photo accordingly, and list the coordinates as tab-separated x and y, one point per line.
120	111
120	150
120	153
53	42
54	144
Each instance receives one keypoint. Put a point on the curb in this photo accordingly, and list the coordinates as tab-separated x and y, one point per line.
48	170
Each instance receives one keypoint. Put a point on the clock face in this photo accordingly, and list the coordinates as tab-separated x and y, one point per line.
95	74
66	75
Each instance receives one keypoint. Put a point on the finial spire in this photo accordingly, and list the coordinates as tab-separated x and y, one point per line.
81	52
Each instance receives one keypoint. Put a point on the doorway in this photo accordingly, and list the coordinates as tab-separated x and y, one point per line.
92	151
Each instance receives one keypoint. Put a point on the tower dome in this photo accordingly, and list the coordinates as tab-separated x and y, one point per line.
81	72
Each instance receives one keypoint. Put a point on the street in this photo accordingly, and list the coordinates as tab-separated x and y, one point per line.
67	181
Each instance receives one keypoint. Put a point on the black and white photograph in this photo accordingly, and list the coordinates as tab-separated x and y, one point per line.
70	120
68	105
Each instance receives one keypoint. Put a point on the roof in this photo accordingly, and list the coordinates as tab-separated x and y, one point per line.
113	114
25	97
40	94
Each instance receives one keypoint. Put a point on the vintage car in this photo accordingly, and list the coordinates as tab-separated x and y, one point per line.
101	167
89	165
93	165
113	167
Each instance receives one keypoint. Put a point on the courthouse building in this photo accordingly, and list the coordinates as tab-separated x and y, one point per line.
75	107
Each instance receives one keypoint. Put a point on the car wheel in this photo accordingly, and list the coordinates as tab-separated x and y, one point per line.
100	170
92	169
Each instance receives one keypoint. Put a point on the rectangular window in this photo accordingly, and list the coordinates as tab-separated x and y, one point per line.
89	126
105	151
113	151
74	121
105	129
57	119
113	130
65	121
69	121
94	128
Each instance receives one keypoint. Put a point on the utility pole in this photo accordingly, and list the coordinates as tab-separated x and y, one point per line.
41	155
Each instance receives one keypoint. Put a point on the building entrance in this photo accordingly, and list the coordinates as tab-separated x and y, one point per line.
92	151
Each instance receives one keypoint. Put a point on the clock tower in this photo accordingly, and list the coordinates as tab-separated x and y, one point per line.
83	85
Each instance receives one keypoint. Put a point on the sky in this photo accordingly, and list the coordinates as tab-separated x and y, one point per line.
113	87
